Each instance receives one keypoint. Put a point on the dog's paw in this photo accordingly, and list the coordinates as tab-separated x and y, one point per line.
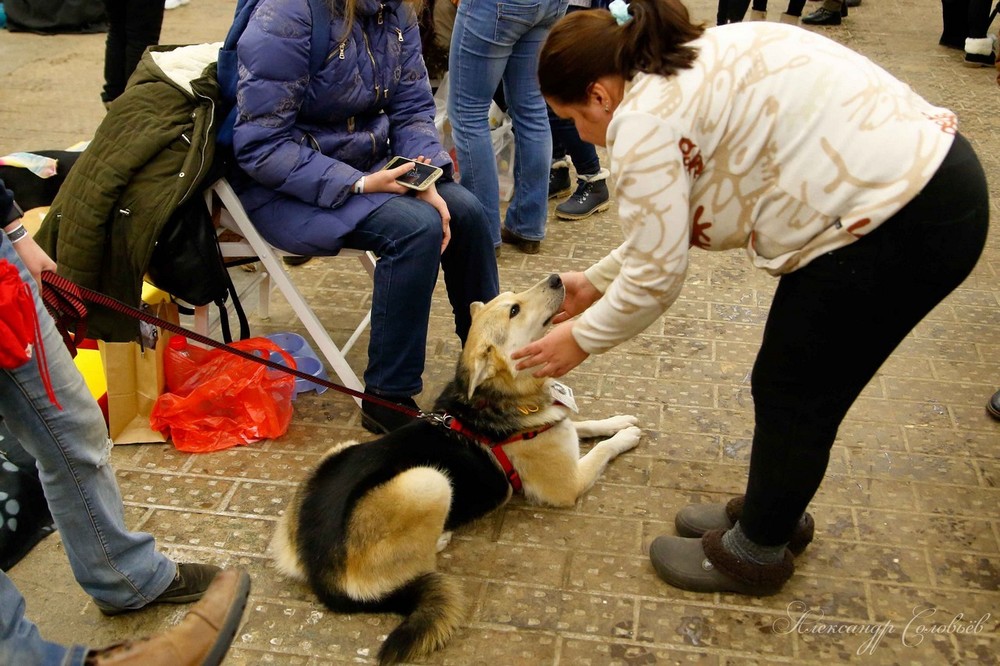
443	541
627	439
622	422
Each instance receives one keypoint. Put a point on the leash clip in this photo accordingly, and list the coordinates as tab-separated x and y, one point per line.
437	418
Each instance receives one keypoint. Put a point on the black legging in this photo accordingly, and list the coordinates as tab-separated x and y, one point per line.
133	25
835	321
733	11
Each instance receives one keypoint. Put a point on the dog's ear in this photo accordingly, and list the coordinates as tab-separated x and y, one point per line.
475	307
481	368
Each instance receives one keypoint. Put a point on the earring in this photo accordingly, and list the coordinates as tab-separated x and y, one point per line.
607	109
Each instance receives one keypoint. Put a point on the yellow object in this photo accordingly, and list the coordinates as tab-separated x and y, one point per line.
88	362
152	295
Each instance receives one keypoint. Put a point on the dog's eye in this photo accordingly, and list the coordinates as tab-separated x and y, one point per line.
514	309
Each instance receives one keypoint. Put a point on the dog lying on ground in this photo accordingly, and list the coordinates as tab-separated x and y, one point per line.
365	527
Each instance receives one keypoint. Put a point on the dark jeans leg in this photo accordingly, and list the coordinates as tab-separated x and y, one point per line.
737	9
795	7
565	139
469	262
114	51
406	235
132	27
979	18
834	322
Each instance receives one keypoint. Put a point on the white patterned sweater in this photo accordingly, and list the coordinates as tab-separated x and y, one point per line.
778	140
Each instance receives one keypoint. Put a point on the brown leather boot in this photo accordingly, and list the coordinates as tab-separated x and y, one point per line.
202	638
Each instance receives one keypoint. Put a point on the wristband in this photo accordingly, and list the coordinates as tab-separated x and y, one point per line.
359	187
17	234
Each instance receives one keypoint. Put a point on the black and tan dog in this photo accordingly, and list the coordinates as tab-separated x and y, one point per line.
365	527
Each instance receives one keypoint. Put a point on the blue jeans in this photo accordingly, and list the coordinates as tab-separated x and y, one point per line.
494	42
406	235
118	568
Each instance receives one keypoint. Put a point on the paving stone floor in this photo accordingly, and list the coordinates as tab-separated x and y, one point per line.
905	568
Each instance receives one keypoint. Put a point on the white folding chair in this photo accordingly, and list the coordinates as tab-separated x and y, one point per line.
251	244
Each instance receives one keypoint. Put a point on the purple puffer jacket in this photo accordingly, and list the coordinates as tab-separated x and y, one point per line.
303	138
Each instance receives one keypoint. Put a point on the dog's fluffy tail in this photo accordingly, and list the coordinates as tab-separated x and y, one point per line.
437	610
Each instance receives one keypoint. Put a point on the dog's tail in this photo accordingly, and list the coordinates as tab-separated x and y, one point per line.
437	606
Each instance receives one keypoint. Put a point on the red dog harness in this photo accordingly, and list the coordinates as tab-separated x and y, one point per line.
496	448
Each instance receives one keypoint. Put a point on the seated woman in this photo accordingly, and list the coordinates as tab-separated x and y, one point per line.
311	148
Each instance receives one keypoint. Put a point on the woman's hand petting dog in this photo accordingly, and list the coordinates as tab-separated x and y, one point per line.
580	295
557	353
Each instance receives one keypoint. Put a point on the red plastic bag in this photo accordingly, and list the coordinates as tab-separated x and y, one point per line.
216	400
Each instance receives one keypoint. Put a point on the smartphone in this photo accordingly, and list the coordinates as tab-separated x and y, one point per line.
419	177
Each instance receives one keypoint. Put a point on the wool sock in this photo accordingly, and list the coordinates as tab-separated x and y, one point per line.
740	545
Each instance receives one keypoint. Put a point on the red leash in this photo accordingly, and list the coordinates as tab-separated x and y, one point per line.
66	300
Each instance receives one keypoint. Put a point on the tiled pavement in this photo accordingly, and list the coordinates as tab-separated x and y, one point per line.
905	569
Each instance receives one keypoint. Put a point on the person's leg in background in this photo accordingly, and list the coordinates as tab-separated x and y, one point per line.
469	262
528	210
476	64
955	23
132	27
980	47
559	181
591	192
114	51
830	13
793	11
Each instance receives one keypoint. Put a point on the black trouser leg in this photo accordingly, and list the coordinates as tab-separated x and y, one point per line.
834	322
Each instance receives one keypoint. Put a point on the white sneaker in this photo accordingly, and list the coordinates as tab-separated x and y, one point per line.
174	4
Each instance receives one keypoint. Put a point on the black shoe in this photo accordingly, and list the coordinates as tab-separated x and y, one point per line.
591	197
853	3
993	406
295	261
380	419
522	244
559	185
189	585
822	17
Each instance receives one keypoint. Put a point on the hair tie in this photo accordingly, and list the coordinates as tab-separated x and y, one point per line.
619	9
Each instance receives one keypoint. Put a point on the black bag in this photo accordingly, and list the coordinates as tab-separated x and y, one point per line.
24	514
187	263
56	16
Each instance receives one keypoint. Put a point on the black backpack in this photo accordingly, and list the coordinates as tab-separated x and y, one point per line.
188	264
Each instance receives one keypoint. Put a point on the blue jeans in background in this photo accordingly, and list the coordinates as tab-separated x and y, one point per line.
118	568
494	42
406	235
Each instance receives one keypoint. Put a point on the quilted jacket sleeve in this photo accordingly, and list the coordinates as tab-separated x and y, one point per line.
411	108
273	55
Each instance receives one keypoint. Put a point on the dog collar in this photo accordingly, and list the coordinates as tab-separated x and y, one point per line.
495	447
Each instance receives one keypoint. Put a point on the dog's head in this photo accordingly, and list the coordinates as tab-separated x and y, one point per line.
501	327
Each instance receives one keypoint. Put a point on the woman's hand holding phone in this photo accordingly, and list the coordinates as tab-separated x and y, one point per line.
385	180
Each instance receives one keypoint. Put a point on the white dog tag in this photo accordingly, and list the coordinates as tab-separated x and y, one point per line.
564	395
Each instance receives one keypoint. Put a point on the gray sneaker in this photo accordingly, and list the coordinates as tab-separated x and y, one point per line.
591	197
